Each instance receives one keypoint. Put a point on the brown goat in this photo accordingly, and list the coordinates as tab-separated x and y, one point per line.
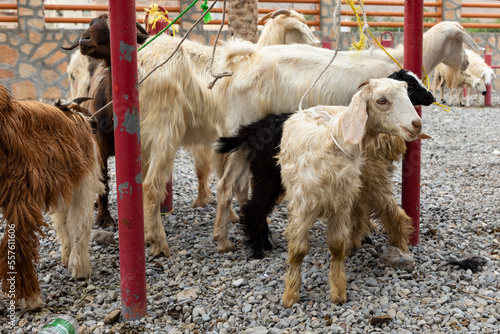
48	161
95	43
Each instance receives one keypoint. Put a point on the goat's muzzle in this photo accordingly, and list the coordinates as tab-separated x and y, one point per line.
483	92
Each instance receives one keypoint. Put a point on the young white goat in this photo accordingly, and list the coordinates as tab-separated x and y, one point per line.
465	79
321	158
273	79
479	68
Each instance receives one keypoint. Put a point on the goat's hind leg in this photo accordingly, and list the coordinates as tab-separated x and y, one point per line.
201	156
24	217
104	218
79	225
235	178
60	222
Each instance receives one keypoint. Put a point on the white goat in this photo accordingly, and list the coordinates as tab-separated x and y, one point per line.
465	79
479	68
274	78
321	158
80	70
177	110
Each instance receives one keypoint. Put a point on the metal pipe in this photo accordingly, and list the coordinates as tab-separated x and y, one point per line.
413	45
128	158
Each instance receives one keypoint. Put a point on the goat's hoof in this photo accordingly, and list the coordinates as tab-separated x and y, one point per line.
462	105
34	303
105	220
367	240
258	253
338	298
234	218
159	249
290	298
200	202
267	244
443	101
225	246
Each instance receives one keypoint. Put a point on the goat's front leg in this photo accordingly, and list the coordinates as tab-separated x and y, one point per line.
338	239
154	186
104	218
297	235
202	157
394	219
223	214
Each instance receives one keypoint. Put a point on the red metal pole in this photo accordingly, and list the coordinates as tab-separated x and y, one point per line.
128	158
487	60
413	43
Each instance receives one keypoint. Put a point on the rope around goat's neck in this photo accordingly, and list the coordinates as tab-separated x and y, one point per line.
323	115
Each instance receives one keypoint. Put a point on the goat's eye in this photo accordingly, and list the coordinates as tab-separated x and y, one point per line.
382	101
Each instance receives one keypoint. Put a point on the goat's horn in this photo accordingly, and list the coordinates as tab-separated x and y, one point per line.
141	29
75	44
274	14
80	100
265	17
281	11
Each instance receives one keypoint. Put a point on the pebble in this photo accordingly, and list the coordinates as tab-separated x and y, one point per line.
198	290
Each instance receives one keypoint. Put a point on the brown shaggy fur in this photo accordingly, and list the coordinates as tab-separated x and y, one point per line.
45	157
376	199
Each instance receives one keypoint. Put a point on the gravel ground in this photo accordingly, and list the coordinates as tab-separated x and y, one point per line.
200	291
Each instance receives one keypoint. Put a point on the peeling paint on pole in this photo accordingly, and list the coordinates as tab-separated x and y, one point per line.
132	123
126	51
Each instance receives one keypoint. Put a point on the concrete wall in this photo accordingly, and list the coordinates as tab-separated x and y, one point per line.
33	65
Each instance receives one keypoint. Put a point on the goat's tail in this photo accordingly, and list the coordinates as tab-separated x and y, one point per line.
257	135
19	251
230	144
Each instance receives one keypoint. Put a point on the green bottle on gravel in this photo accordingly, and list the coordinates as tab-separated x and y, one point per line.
61	324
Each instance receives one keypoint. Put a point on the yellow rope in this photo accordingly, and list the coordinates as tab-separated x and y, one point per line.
154	15
425	80
382	47
361	44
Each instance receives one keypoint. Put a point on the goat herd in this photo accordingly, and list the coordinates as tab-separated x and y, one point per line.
332	160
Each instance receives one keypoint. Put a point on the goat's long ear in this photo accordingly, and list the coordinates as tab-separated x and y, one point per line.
294	25
74	45
494	75
465	37
354	119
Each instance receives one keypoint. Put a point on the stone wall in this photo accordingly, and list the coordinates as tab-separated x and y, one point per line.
33	65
